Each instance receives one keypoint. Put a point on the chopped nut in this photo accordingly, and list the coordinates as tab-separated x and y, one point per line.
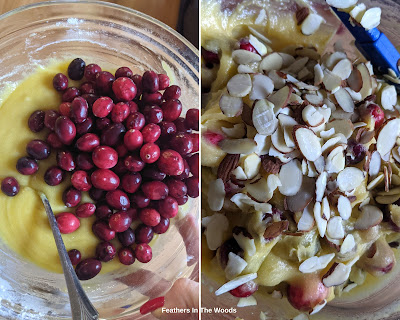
227	165
275	229
271	164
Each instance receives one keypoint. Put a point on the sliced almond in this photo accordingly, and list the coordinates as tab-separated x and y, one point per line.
259	191
281	97
278	141
245	57
251	165
262	87
233	284
355	80
348	245
358	11
366	88
288	59
325	209
344	100
335	228
330	143
306	222
314	99
371	18
307	142
308	52
387	199
343	69
236	132
216	194
291	178
318	74
349	179
332	59
227	165
374	164
327	134
312	116
311	24
235	265
388	97
275	229
316	263
341	4
374	183
245	68
238	146
370	216
260	47
297	65
336	275
264	119
263	144
231	106
302	199
247	302
318	307
344	126
278	81
387	136
272	61
335	161
320	164
239	174
321	222
331	81
245	243
344	207
259	35
320	186
239	85
217	224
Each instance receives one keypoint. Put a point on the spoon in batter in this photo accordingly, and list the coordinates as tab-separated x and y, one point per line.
81	307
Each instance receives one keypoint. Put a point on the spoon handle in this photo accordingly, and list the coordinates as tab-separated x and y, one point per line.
81	307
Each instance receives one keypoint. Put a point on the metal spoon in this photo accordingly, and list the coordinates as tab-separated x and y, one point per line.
81	307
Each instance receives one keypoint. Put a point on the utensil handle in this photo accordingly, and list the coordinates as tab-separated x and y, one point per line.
81	307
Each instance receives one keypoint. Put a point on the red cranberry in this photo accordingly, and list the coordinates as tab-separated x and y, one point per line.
104	157
228	246
186	171
124	89
131	182
152	173
67	222
182	143
134	163
120	112
75	256
71	197
132	213
170	162
53	140
65	109
209	56
10	186
36	121
85	210
149	217
88	142
162	227
38	149
135	121
118	199
355	152
181	126
150	82
150	152
192	119
133	139
84	161
103	211
54	176
65	130
176	188
60	82
194	164
105	251
104	81
122	151
85	126
172	92
143	252
102	123
70	94
96	194
143	234
65	160
76	69
102	107
153	114
81	181
79	110
244	290
152	98
27	166
87	88
126	256
377	114
123	72
137	79
155	190
168	207
195	141
163	81
172	109
90	98
133	107
50	117
192	184
102	231
105	179
91	71
167	128
127	237
112	135
245	45
120	221
182	200
88	269
140	200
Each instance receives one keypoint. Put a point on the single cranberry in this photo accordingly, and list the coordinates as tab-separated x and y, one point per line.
75	256
192	119
88	269
71	197
124	89
176	188
155	190
134	163
91	71
27	166
53	140
123	72
131	182
87	88
79	110
10	186
140	199
120	221
152	98
194	164
90	98
377	114
137	79
60	82
103	211
143	234
172	109
135	121
162	227
88	142
104	157
150	82
133	107
143	253
151	133
163	81
150	152
168	207
70	94
36	121
153	173
85	210
122	151
153	114
120	168
172	92
167	128
102	231
105	251
355	152
182	143
171	162
65	160
120	112
112	135
209	56
181	126
186	171
84	161
192	184
65	109
102	107
127	237
96	194
195	140
81	181
132	213
245	290
245	45
104	80
38	149
102	123
133	139
67	222
65	130
76	69
182	200
105	179
126	256
50	117
54	176
118	199
84	127
149	217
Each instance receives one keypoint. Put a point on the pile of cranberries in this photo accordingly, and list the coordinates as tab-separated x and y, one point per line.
122	139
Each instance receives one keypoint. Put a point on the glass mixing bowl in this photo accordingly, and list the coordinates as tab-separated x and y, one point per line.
367	302
114	36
